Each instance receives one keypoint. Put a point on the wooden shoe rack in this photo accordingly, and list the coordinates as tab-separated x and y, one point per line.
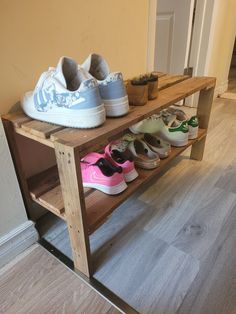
59	189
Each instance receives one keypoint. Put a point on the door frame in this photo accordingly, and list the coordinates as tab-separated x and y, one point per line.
202	40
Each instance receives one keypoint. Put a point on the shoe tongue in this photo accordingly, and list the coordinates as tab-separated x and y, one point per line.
120	147
97	66
67	73
169	119
59	72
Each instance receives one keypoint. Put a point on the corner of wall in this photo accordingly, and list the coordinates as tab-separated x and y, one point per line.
16	241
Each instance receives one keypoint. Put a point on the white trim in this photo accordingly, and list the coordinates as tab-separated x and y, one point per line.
189	33
215	9
202	40
151	41
16	241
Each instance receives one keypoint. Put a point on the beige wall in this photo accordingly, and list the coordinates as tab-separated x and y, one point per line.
221	41
12	211
34	34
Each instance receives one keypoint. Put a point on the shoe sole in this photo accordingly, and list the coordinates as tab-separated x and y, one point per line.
130	176
116	107
111	190
179	143
81	118
147	165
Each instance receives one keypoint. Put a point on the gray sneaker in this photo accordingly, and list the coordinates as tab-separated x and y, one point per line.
111	85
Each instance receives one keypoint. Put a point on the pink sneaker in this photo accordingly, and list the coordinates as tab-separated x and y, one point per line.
119	156
98	173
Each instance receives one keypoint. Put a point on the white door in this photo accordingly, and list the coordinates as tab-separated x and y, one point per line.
173	35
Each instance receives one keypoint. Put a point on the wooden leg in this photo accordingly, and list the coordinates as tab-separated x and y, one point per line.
203	112
68	162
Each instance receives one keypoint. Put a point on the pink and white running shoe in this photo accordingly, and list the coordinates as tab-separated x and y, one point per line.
98	173
119	156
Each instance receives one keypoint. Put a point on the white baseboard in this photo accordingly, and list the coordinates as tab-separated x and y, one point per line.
16	241
221	88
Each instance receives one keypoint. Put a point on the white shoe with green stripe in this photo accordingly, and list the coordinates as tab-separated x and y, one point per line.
181	116
176	135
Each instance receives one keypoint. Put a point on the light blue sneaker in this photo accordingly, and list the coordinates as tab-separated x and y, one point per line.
111	85
66	96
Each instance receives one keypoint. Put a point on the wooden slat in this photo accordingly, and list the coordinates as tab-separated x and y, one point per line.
53	200
169	80
99	205
17	118
41	140
41	129
86	138
51	209
160	74
43	182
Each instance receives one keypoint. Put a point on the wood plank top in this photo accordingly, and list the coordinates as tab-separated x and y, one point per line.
86	138
180	86
169	80
17	118
41	129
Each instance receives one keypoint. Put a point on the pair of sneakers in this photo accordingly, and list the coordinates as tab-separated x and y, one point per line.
146	149
108	172
176	128
79	96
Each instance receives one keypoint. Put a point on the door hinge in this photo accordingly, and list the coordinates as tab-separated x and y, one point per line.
188	71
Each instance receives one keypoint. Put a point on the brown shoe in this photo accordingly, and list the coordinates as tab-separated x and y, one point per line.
137	92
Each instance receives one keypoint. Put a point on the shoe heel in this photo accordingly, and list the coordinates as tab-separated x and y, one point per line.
116	107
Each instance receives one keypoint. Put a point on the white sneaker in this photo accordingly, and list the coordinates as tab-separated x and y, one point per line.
176	136
111	85
65	96
148	125
181	116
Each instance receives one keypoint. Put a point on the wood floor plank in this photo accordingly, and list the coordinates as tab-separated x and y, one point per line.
227	181
164	292
214	289
40	284
145	273
200	232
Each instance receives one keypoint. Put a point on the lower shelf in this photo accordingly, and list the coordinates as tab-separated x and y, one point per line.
99	206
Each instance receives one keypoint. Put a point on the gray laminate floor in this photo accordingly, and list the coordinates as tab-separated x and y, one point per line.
171	247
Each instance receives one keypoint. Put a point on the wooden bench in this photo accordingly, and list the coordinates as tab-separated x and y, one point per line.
59	189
